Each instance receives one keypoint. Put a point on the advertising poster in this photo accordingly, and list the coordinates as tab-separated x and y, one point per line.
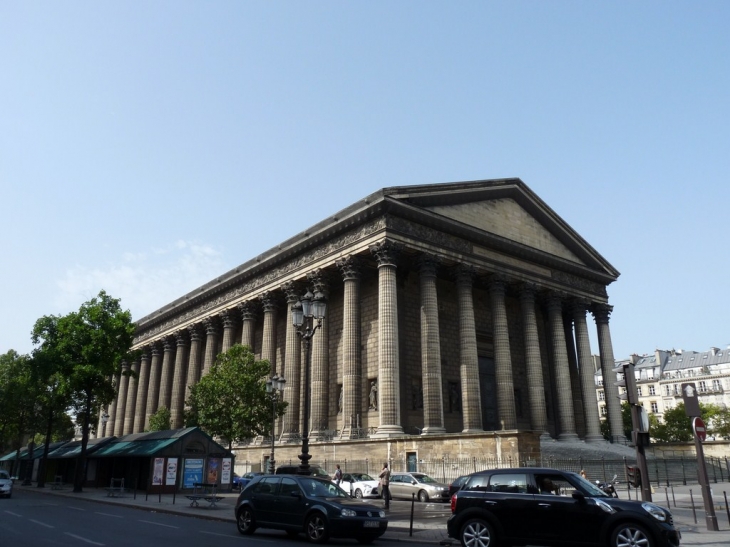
226	471
159	469
192	472
171	475
214	469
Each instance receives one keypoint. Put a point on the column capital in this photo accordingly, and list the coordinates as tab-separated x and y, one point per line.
125	366
155	348
579	306
211	326
464	274
528	291
428	265
247	310
385	252
350	267
228	318
320	279
168	343
601	313
268	301
292	290
497	284
195	332
181	337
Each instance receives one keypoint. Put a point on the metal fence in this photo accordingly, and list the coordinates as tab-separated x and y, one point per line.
662	471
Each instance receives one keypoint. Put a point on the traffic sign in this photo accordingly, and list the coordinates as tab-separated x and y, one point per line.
699	428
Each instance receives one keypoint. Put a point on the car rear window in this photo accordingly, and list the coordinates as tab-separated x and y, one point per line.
512	483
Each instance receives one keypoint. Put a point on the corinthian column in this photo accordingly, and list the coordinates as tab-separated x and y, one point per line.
194	362
580	425
351	359
130	407
601	313
588	384
168	356
502	355
469	367
211	343
229	329
142	390
292	365
153	393
320	362
433	399
268	345
562	370
535	384
177	399
121	401
389	364
248	315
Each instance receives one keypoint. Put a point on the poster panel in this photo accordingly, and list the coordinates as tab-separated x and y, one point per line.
214	469
159	470
226	471
192	472
171	476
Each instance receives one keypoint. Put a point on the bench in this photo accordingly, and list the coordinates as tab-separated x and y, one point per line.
116	488
57	483
204	491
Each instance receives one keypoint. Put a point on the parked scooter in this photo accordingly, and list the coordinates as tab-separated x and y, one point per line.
609	487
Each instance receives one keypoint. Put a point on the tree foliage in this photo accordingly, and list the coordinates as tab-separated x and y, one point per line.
160	420
677	426
90	346
231	400
18	415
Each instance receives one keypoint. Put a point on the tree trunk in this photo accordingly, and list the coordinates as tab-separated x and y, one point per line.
44	460
80	474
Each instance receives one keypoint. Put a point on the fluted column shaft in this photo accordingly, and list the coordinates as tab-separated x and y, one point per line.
580	425
388	352
229	329
168	359
292	365
121	400
502	356
320	362
268	344
351	358
153	392
212	332
194	360
143	385
588	385
131	406
601	313
433	399
535	382
469	358
177	397
562	371
248	328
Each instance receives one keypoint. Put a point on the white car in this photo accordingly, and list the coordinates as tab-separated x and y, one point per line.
6	484
360	485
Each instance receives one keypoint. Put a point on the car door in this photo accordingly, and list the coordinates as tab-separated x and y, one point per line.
346	483
290	505
264	499
397	483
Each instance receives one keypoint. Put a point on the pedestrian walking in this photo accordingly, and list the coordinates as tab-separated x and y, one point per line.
385	484
338	475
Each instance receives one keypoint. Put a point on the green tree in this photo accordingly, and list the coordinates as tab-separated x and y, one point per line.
160	420
91	345
677	426
721	424
231	401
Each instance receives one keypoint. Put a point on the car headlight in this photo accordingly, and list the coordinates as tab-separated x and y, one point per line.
655	511
348	513
382	514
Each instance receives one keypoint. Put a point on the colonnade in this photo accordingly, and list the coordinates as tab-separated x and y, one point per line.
172	363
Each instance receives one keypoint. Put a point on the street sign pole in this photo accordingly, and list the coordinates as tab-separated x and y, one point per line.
700	432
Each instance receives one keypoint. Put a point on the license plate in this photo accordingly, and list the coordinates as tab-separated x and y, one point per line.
371	524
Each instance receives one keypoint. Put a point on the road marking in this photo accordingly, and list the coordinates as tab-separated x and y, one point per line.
75	508
14	514
236	536
214	534
41	523
108	515
83	539
159	524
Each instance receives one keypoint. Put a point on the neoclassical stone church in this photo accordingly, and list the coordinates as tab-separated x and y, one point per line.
457	324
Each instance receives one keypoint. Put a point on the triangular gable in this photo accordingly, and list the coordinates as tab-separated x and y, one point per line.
506	218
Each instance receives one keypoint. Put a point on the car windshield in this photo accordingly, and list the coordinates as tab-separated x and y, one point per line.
4	475
362	477
588	487
420	477
323	489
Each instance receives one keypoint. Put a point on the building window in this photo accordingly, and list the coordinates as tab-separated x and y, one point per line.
603	410
652	391
654	407
716	385
667	390
601	396
703	386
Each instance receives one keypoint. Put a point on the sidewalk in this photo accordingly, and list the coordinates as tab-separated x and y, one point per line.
430	530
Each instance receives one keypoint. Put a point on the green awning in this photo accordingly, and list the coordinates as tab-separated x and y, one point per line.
134	448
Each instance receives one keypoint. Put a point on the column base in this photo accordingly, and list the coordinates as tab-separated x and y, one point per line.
545	436
568	438
596	439
388	431
433	431
473	430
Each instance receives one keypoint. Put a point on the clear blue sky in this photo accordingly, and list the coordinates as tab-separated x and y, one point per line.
147	147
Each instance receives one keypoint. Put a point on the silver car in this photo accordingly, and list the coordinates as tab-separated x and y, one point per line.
6	484
404	485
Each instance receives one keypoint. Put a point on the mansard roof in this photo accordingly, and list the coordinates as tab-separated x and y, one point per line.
500	222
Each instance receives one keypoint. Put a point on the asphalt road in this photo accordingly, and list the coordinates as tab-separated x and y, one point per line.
30	519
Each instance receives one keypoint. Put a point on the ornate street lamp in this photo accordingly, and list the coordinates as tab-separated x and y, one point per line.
307	315
274	386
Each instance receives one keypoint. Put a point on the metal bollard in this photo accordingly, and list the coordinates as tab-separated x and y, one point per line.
673	498
666	493
413	506
727	509
692	500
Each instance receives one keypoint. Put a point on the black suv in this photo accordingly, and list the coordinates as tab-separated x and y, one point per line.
314	471
538	506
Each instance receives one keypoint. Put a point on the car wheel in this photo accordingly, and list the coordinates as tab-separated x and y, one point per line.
316	528
478	533
423	496
629	534
358	493
245	521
